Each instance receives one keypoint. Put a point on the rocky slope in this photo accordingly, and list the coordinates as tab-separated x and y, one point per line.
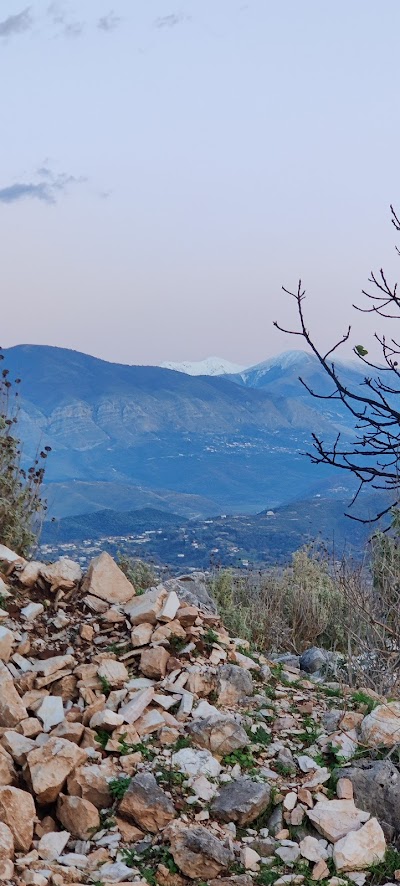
139	743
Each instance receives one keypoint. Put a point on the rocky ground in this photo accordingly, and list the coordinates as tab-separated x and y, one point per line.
139	743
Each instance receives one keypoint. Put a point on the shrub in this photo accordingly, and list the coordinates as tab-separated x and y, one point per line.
21	504
140	574
119	786
351	608
373	597
284	609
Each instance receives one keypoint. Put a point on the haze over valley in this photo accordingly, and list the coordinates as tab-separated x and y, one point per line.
126	439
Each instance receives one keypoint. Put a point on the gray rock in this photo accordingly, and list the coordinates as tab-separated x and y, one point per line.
265	846
192	589
199	854
288	853
265	672
331	720
287	658
275	821
285	756
376	785
313	660
241	801
115	871
234	684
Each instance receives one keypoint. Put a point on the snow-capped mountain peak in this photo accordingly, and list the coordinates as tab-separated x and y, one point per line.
209	366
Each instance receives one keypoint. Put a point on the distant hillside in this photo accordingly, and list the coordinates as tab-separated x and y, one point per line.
108	523
236	540
126	437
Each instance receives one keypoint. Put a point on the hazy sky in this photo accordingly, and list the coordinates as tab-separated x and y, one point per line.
165	168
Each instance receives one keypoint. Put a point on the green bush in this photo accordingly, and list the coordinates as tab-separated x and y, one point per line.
282	609
21	504
351	608
139	573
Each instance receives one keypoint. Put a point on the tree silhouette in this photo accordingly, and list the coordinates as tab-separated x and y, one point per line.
373	457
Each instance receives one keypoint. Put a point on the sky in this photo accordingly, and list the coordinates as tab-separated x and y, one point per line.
167	166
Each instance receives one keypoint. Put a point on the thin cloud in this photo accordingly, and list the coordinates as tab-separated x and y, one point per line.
56	11
108	22
59	14
16	24
74	29
44	172
46	191
171	21
21	190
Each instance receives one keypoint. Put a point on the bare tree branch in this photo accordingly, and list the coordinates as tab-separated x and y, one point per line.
374	455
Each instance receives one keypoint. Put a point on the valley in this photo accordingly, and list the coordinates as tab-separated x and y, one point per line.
229	541
145	460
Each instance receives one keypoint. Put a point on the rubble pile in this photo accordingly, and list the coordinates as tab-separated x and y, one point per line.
139	743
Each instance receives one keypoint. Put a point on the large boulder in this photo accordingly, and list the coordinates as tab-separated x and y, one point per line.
17	811
48	767
358	850
146	804
12	710
313	659
218	733
241	801
335	818
376	786
192	589
199	854
78	816
146	608
153	662
382	726
91	782
234	685
194	762
62	574
106	580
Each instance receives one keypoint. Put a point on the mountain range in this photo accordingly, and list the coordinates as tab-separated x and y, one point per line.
128	437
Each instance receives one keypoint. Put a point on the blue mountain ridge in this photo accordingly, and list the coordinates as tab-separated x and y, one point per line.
126	437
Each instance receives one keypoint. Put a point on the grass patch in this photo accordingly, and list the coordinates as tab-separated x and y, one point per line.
311	732
177	643
105	685
182	742
119	786
171	777
331	693
383	871
244	758
283	768
267	877
260	736
361	698
210	637
102	737
147	862
125	747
